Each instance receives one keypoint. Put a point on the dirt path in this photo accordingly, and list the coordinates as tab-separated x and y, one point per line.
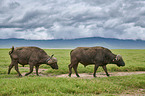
85	75
40	71
101	74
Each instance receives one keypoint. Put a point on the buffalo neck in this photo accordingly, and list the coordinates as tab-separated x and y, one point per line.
112	58
43	59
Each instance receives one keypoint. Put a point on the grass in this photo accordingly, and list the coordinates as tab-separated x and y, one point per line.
71	86
34	86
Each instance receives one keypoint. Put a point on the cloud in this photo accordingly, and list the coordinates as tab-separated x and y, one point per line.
65	19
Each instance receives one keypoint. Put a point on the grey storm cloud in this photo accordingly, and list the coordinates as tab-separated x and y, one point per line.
65	19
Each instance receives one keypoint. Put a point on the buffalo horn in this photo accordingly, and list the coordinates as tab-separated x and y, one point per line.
49	58
118	57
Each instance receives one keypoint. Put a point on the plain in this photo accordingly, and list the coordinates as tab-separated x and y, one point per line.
55	86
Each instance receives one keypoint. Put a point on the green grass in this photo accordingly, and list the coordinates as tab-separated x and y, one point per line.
133	58
45	86
35	86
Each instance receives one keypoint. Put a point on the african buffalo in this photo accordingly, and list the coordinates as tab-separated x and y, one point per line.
33	56
99	56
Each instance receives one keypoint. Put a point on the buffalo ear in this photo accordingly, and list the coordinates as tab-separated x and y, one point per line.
117	58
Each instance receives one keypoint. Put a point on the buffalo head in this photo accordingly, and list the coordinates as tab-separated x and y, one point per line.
52	61
119	61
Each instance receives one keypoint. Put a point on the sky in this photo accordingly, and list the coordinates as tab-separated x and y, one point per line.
70	19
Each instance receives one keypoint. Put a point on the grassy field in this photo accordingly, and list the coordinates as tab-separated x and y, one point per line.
54	86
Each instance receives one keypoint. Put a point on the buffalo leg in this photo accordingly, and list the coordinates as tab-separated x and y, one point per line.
17	69
31	70
105	69
95	69
74	63
75	69
70	69
10	67
37	67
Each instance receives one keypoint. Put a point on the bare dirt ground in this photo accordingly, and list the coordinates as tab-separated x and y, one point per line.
101	74
83	75
40	71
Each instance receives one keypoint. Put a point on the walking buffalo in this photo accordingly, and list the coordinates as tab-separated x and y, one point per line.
99	56
33	56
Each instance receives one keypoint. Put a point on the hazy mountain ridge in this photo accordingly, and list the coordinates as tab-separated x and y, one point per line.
72	43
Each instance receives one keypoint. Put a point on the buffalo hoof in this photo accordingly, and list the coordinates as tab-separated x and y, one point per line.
20	75
69	75
78	76
26	74
108	75
94	75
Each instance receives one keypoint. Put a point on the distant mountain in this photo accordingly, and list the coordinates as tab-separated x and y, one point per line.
73	43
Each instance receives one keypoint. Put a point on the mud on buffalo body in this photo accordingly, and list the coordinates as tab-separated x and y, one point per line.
99	56
32	56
